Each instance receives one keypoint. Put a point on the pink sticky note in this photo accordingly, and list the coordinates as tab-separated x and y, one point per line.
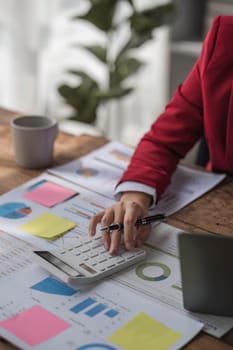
49	194
34	325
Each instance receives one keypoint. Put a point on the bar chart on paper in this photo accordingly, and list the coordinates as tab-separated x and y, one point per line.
91	307
44	313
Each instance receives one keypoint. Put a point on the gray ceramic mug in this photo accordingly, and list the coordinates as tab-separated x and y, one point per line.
33	139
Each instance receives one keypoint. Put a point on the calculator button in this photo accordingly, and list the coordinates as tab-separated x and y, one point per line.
93	254
95	245
128	255
83	249
100	259
117	259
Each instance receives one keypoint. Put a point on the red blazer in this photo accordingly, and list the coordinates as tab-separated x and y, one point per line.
203	104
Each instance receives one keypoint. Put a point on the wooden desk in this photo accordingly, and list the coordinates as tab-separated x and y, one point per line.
211	213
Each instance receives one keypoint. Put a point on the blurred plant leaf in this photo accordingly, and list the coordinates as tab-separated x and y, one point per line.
101	14
94	2
149	19
99	51
87	85
84	106
82	98
134	42
125	67
86	97
116	92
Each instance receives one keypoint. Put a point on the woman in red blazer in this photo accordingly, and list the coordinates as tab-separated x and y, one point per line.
202	105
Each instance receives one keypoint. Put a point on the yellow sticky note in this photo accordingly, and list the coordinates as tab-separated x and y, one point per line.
48	226
143	332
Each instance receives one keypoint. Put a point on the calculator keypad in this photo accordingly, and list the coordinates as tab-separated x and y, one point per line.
89	257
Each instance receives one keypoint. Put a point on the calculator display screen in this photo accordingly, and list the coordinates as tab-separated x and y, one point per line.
58	263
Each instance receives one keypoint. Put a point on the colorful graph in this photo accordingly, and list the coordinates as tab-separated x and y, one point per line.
140	271
92	308
94	204
120	155
87	172
51	285
14	210
80	211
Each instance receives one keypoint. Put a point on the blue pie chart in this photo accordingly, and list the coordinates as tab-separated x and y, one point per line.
14	210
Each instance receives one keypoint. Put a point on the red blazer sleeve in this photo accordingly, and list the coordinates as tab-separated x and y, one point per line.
176	130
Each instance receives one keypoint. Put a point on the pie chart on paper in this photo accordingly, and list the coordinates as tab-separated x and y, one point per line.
14	210
87	172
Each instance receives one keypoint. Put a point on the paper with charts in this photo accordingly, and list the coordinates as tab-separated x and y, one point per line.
159	277
24	211
44	313
101	170
55	208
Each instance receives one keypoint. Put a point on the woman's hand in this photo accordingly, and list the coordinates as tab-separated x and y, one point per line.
132	205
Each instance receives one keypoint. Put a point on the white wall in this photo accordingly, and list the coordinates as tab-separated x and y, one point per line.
132	117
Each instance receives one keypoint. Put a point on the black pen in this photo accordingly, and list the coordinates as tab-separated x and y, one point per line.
143	221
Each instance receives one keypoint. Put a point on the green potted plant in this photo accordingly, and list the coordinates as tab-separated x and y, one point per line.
86	97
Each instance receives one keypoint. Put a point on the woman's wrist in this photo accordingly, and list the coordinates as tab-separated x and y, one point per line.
141	198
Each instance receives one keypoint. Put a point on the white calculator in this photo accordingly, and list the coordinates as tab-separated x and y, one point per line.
86	261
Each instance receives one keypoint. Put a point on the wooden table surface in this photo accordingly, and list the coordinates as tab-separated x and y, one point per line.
210	213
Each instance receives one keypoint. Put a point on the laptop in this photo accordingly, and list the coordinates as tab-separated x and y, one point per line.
206	262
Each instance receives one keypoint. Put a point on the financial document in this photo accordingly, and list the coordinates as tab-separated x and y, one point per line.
101	170
186	185
14	254
31	221
40	312
53	210
159	278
